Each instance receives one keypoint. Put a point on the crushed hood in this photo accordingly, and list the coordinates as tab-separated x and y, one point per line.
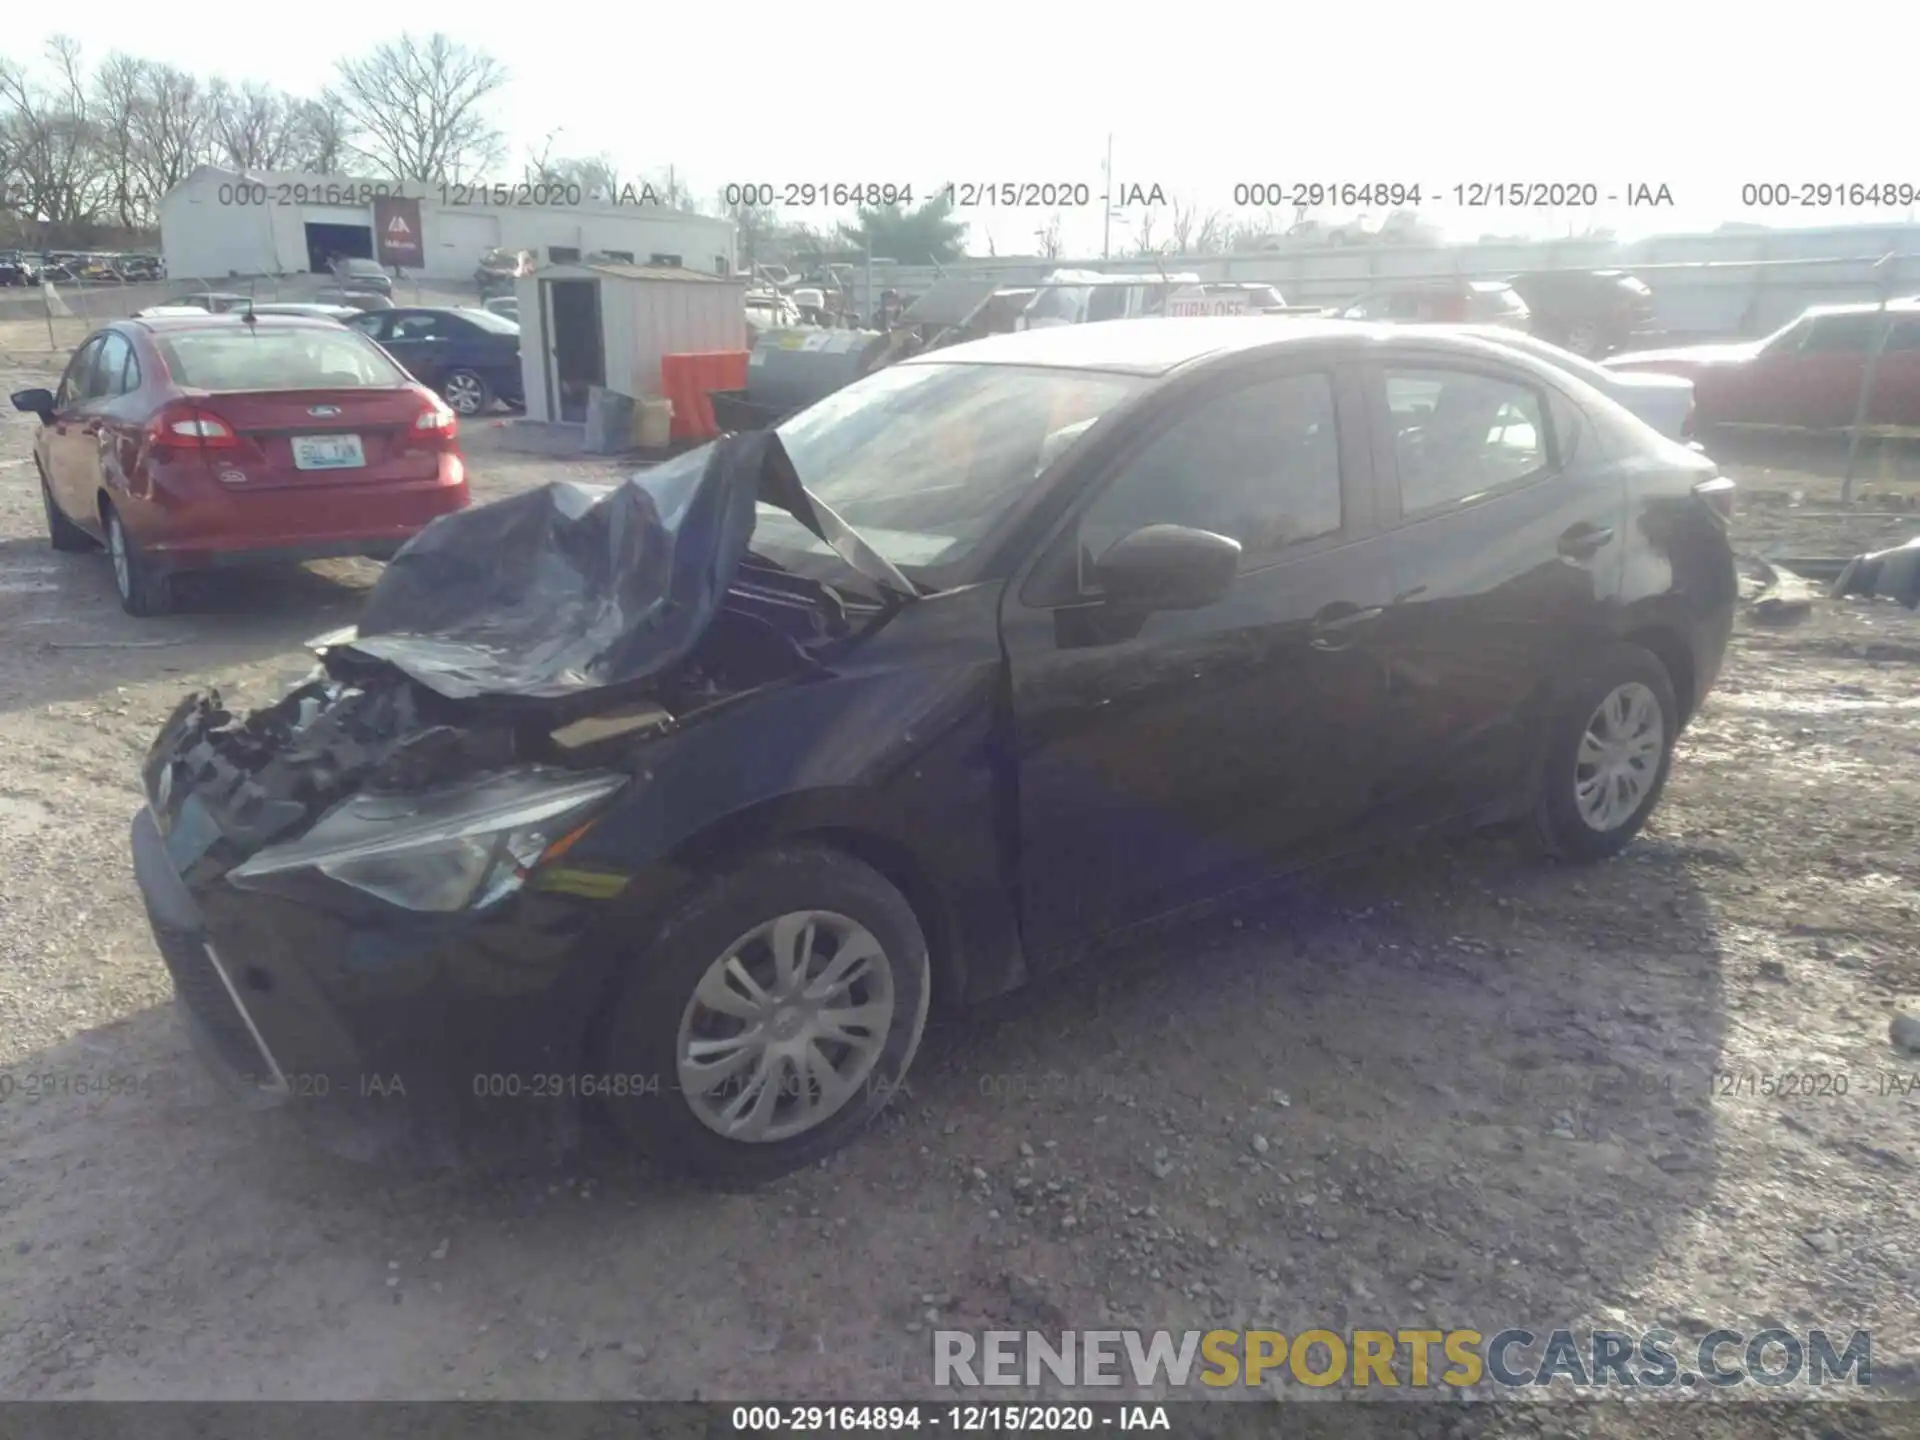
572	588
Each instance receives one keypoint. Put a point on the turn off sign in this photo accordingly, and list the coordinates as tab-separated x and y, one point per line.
1194	300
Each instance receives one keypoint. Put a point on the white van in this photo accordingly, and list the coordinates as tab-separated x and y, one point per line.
1079	297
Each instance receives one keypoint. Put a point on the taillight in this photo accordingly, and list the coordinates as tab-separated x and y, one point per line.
1717	492
188	427
436	424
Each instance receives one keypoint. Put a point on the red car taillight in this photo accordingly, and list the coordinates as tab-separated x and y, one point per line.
436	427
188	427
1717	492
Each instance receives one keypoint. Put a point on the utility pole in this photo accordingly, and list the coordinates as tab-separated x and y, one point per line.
1106	204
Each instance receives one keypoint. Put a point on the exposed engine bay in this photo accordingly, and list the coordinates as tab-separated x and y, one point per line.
556	628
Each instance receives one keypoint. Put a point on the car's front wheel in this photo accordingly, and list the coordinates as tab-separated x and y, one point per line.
1608	752
772	1017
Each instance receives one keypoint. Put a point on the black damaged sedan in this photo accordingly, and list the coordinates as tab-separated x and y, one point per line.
683	798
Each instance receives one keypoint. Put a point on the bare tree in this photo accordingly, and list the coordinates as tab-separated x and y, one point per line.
1049	238
319	144
52	145
171	128
254	127
118	90
1143	241
1195	233
756	225
417	109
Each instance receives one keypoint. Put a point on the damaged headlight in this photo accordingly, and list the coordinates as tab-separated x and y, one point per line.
458	847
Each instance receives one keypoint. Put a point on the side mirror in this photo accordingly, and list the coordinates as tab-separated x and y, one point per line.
35	402
1168	567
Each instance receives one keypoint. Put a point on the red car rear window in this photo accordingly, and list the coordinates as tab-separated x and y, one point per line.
262	358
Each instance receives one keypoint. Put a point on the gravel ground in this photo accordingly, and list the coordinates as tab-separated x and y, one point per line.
1454	1086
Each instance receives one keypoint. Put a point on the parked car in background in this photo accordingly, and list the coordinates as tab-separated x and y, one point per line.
365	300
139	269
101	270
1080	297
472	357
57	271
1663	401
500	270
1806	374
1443	302
216	302
369	276
189	442
1118	619
1590	312
17	270
507	307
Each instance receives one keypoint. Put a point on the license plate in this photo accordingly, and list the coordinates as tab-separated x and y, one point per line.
328	452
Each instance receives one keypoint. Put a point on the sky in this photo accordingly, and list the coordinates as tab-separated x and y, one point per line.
1702	100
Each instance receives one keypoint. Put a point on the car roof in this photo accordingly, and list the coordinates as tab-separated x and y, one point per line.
174	324
1151	345
1906	306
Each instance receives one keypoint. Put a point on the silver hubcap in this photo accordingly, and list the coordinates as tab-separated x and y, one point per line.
785	1026
1619	756
463	393
122	566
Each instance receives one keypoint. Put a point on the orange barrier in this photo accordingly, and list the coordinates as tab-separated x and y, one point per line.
687	379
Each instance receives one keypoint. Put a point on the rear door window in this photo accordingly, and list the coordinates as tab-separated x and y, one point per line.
1841	335
1460	435
110	364
419	327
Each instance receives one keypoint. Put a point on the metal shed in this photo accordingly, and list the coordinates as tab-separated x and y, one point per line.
608	324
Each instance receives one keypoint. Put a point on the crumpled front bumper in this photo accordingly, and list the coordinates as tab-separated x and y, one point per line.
392	1038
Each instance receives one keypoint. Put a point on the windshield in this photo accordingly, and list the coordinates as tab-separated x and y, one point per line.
923	459
256	358
361	267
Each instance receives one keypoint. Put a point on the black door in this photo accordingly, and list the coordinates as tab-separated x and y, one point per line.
1168	757
1510	528
577	354
424	342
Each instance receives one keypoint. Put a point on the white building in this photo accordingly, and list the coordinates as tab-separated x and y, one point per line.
218	224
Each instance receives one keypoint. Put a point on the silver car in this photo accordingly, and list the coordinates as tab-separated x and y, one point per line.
1663	401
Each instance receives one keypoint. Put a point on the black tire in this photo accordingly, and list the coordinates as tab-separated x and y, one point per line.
1559	824
643	1030
145	589
65	535
472	390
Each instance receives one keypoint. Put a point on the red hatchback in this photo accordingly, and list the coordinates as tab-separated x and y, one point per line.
190	442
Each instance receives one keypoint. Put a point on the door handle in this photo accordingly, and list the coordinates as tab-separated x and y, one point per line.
1333	626
1578	542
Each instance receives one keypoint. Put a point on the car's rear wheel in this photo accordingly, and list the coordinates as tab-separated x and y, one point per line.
64	534
144	588
1608	752
467	392
772	1018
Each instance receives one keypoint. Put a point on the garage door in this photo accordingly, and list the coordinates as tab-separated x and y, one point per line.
456	241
